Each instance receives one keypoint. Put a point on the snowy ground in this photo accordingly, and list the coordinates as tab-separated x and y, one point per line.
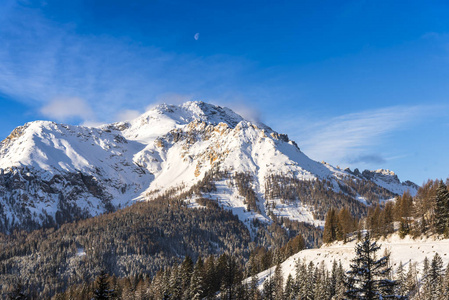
402	250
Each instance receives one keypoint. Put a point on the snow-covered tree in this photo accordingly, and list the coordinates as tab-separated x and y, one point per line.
436	277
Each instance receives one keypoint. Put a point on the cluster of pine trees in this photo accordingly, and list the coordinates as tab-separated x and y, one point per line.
338	225
426	213
369	277
139	239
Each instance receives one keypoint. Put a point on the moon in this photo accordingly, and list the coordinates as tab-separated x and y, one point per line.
196	36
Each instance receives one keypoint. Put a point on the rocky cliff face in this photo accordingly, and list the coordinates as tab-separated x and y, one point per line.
52	173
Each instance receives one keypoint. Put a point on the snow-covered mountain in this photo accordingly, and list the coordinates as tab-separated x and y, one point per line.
54	173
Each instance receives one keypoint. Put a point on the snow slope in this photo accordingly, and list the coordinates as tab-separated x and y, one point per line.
402	250
46	168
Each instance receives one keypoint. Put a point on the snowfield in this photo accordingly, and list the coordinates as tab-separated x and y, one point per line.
402	250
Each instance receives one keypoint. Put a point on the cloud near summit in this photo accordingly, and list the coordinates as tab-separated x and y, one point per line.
65	109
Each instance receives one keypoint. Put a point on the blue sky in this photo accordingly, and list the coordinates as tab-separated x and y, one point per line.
356	83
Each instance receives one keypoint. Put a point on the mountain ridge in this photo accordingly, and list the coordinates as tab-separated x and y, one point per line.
92	170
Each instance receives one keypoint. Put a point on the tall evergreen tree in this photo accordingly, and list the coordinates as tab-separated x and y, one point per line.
426	285
368	276
103	291
442	209
400	279
278	283
211	280
269	288
436	273
411	282
175	288
289	292
19	292
196	288
253	291
331	226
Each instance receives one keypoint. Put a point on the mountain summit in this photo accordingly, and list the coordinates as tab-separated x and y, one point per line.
53	173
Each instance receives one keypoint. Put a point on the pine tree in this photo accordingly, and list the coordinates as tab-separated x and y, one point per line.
446	283
19	292
253	291
426	285
175	289
346	223
322	290
269	288
300	280
185	272
103	290
278	283
333	279
442	209
400	279
308	291
411	283
340	283
368	276
289	293
436	277
231	276
196	288
211	280
331	226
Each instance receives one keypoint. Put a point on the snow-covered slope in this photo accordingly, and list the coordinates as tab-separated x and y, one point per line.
401	250
52	172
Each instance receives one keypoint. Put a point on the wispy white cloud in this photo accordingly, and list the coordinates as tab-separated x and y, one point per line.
66	109
127	115
356	138
41	61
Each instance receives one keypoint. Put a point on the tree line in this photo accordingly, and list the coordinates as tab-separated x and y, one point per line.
424	214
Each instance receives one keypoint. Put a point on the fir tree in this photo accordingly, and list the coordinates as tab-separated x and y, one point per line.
289	293
446	283
253	291
411	282
175	289
400	279
368	276
322	290
196	288
436	277
300	280
269	288
426	285
442	209
103	290
340	283
211	280
308	292
278	283
331	227
19	292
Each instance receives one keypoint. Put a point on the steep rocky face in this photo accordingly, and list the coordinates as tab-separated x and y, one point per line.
387	179
52	173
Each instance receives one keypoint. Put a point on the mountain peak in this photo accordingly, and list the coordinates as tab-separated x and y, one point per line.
167	147
198	110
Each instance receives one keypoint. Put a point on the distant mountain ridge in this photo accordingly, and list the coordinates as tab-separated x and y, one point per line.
52	173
